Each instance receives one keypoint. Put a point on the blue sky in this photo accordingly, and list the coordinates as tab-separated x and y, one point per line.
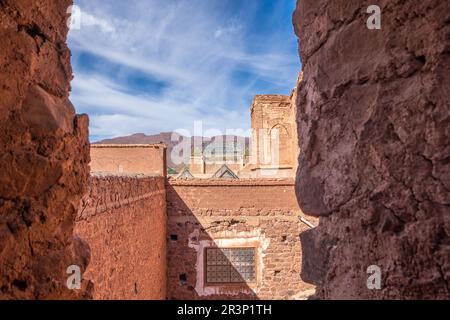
158	65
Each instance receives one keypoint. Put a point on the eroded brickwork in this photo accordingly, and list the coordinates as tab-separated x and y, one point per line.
274	138
373	113
124	221
239	213
44	154
129	159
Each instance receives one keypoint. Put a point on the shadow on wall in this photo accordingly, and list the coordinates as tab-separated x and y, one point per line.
197	269
124	222
314	262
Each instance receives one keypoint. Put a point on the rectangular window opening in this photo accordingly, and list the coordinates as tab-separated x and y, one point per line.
230	265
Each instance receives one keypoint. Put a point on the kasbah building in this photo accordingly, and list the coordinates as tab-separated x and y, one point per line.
218	229
373	120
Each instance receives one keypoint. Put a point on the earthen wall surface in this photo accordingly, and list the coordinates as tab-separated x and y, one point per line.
123	219
44	154
211	169
239	213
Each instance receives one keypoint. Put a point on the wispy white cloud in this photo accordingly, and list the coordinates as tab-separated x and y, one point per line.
114	112
206	55
231	28
82	19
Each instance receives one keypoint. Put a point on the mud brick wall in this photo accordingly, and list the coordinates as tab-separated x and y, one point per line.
238	213
129	159
44	154
124	221
374	130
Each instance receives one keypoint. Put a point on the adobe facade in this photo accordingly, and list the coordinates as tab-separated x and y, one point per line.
129	159
123	219
150	237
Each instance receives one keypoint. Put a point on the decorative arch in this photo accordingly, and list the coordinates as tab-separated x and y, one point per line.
281	147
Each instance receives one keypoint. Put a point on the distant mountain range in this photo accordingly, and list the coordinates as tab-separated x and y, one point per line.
171	139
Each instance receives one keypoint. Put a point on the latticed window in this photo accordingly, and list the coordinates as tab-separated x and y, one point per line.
230	265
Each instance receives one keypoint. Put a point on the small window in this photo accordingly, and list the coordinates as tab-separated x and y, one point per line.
230	265
183	279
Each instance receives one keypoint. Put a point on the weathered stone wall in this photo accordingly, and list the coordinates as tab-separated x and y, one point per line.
124	221
129	159
237	213
44	153
374	128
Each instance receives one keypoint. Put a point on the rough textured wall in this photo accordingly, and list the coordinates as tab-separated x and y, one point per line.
124	221
207	166
129	159
273	136
374	126
44	153
238	213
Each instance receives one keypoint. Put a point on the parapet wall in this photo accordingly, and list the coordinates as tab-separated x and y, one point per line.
252	194
123	218
129	159
259	213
